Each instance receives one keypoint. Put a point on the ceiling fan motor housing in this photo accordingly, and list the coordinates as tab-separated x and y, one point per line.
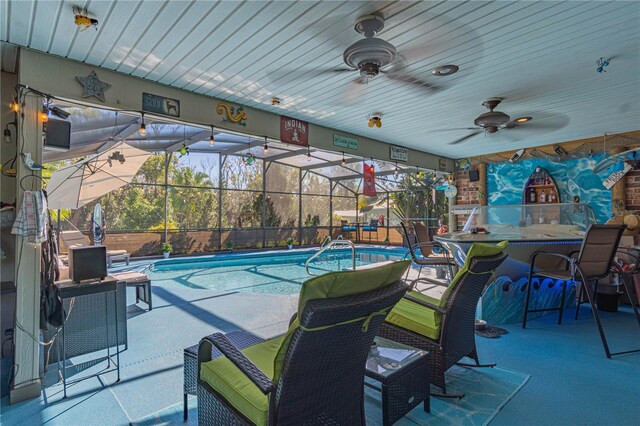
369	55
491	119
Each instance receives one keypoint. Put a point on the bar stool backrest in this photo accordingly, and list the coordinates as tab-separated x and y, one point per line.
423	237
598	249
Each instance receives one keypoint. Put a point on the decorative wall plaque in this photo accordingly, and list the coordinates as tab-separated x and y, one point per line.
345	142
293	131
232	114
93	86
160	105
398	153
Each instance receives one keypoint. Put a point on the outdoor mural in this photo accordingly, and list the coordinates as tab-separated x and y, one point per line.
505	182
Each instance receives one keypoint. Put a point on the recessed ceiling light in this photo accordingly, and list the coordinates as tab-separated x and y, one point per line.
522	119
445	70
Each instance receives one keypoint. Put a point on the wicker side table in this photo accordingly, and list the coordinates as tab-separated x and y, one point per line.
404	376
241	339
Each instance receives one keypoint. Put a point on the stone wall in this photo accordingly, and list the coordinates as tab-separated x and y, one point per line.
632	179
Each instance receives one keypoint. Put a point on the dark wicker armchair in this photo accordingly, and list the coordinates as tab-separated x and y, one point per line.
315	373
446	327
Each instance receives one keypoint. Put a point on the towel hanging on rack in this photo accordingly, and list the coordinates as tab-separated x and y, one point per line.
31	220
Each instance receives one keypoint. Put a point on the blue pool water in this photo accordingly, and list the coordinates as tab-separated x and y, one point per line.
276	272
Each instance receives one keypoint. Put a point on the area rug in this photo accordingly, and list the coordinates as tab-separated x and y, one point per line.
486	391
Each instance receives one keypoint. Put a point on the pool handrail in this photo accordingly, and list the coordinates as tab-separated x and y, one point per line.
331	244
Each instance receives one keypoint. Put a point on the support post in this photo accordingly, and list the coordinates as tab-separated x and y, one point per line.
264	203
331	208
299	206
222	159
167	160
26	384
453	219
482	191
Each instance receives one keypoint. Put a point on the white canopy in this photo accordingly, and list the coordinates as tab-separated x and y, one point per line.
88	179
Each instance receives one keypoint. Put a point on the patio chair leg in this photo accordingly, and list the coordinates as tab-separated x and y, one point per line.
634	307
444	394
579	301
526	300
474	355
596	317
562	297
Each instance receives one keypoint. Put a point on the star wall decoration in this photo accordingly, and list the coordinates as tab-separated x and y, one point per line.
93	86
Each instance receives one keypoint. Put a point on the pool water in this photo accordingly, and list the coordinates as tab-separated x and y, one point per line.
276	272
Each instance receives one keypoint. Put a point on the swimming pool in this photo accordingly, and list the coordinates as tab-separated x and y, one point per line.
274	272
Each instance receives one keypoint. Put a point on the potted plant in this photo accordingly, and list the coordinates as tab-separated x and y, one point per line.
166	249
229	246
290	243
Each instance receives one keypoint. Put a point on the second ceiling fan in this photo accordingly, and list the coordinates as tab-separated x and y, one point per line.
490	122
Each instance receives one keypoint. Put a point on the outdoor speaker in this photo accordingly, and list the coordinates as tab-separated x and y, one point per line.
87	263
473	176
57	135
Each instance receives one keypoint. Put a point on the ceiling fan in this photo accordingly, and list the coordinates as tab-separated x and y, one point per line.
372	56
490	122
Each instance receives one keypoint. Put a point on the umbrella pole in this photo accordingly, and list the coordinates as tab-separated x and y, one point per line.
58	233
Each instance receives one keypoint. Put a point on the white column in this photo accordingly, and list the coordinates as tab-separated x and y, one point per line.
27	266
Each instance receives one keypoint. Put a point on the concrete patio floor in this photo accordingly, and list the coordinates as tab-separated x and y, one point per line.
571	380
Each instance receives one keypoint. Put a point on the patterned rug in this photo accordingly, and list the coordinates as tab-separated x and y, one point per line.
486	391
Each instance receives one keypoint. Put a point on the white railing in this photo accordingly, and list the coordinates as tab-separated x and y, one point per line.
327	245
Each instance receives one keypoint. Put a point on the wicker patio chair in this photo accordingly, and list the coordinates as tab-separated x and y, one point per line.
446	326
427	250
593	262
314	374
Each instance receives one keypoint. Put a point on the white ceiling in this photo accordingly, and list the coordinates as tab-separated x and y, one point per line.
539	56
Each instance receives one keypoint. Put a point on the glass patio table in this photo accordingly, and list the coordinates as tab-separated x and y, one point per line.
403	374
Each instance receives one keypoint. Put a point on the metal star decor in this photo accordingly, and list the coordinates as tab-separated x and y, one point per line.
93	86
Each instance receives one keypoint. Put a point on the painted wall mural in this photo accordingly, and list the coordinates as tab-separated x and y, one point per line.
505	182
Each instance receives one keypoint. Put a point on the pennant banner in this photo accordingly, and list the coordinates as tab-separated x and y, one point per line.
369	174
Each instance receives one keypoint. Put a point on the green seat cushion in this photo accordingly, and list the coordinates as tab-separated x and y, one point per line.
226	379
417	318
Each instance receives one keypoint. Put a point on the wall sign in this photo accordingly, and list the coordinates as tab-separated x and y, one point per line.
443	164
160	105
398	153
463	209
294	131
345	142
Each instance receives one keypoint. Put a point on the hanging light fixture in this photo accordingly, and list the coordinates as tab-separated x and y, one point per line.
308	153
14	105
344	161
44	115
417	171
396	171
143	128
265	150
211	140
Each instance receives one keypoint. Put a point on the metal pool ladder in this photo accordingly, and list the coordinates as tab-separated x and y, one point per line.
329	244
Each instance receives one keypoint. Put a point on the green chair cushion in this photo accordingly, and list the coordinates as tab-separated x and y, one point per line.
226	379
417	318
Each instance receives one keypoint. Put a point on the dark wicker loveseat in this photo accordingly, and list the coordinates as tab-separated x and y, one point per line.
314	374
445	327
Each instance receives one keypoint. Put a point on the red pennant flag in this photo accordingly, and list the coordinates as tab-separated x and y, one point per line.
369	188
